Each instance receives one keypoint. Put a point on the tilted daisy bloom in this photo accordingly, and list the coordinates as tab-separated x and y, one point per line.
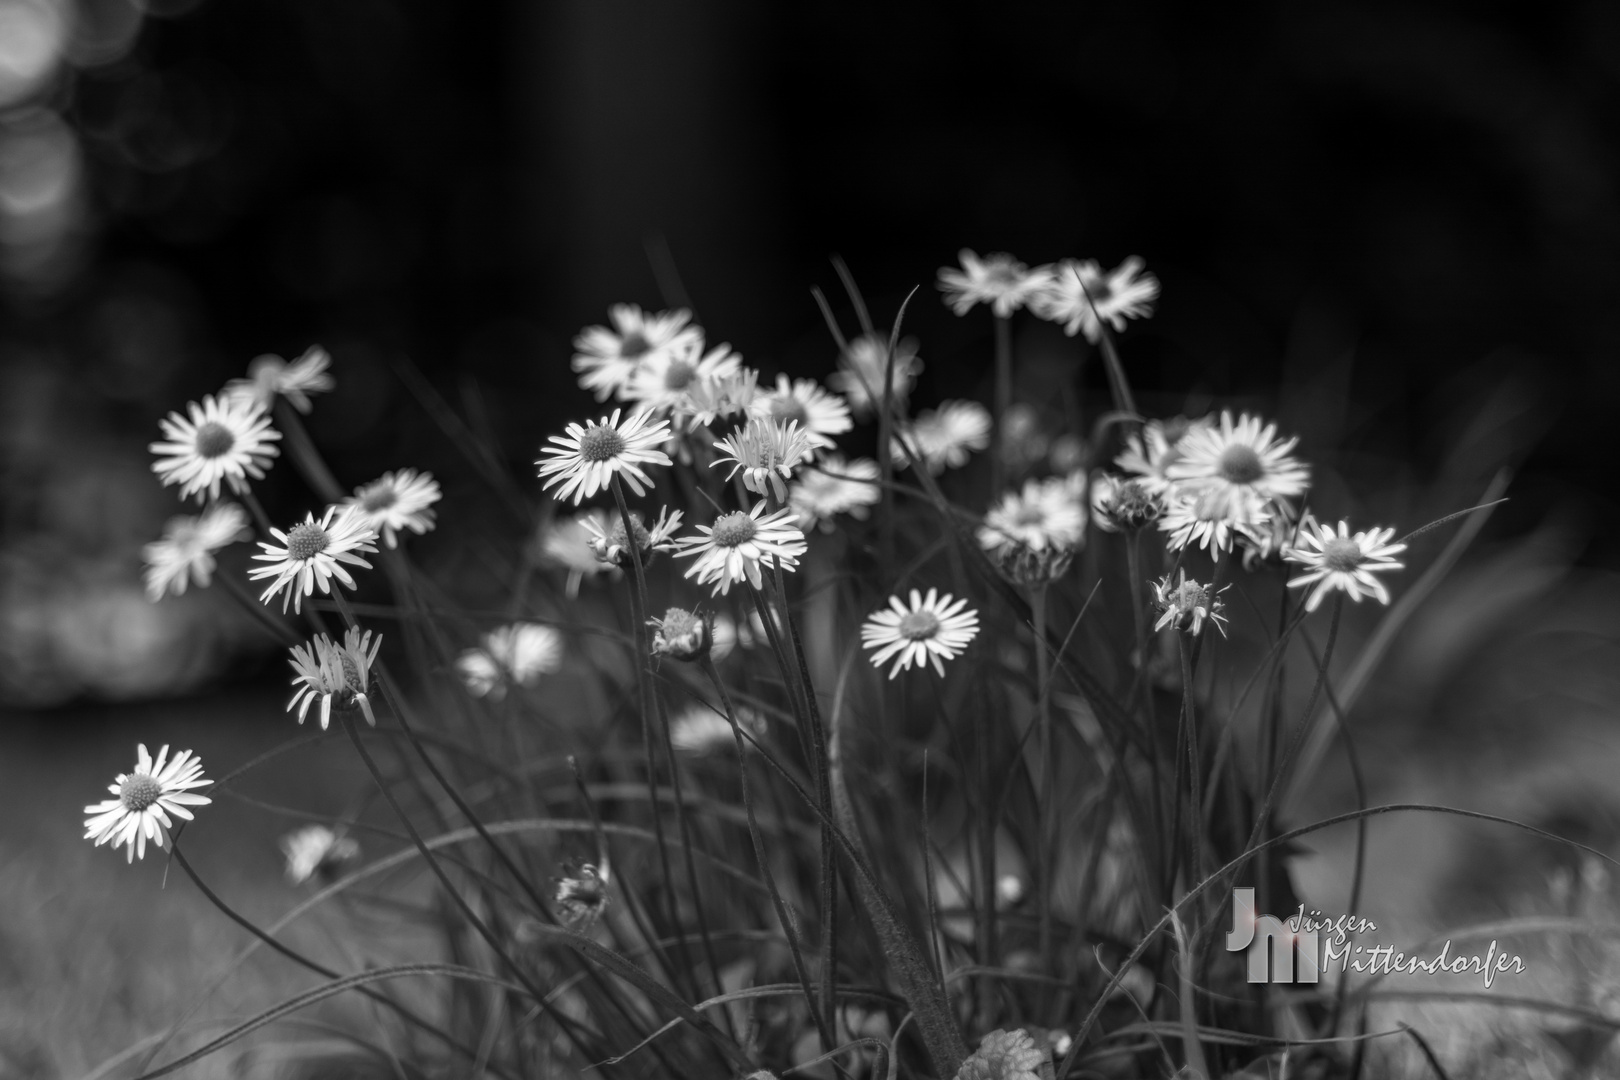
270	376
610	545
833	487
1081	297
1123	503
945	436
607	359
1240	465
861	370
1046	513
336	675
396	501
1149	453
567	543
186	552
312	554
1004	1055
820	413
664	377
1193	519
223	440
767	453
1186	604
143	800
520	653
586	461
998	280
316	850
1343	560
932	630
732	549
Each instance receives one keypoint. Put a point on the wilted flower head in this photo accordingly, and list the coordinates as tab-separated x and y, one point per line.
998	280
1046	513
1345	561
682	635
270	375
834	487
1121	503
861	370
520	653
1003	1055
1186	604
944	437
143	800
608	540
581	895
224	439
767	453
606	359
1081	297
337	675
316	850
396	501
186	552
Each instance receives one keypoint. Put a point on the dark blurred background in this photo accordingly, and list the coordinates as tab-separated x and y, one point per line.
1394	222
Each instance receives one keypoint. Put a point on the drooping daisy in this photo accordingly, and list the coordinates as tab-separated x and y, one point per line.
665	376
520	653
682	635
186	552
1241	466
312	553
396	501
945	436
861	370
1123	503
316	850
998	280
270	375
337	675
567	543
224	439
1186	604
820	413
1344	560
932	630
1004	1055
1197	519
1046	513
834	487
610	545
607	359
1149	453
767	452
586	461
701	730
144	799
1081	297
732	549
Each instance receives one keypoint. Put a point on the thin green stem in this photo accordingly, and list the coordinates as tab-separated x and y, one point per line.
1004	385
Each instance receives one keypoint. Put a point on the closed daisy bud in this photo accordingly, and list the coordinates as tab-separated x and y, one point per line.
1032	568
1186	604
1124	504
681	635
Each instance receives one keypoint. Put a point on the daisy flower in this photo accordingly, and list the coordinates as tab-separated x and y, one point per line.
1150	452
1344	560
568	543
1123	503
520	653
998	280
1046	513
861	369
665	376
944	437
765	451
270	375
1267	542
681	635
1241	466
315	849
1201	520
608	539
1081	297
820	413
581	895
186	552
834	487
223	440
397	501
312	553
931	630
701	730
606	360
732	549
144	799
339	674
586	461
1186	604
1004	1055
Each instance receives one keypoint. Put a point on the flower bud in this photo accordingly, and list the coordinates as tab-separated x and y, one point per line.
681	635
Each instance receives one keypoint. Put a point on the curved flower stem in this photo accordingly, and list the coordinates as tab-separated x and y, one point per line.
1045	818
1195	802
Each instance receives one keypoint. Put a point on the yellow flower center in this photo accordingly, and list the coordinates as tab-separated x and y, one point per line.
306	541
600	443
378	498
1239	464
214	440
919	625
733	529
139	791
679	375
634	346
788	408
1343	555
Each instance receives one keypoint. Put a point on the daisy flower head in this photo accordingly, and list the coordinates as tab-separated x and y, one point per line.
607	359
519	653
397	501
313	553
820	413
186	552
1186	604
1343	560
998	280
1241	465
336	675
932	630
143	800
1149	453
270	376
1201	520
682	634
767	452
665	376
610	545
1004	1055
567	541
944	437
581	895
732	549
1082	297
587	459
316	850
223	439
834	487
1124	503
1046	513
862	367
